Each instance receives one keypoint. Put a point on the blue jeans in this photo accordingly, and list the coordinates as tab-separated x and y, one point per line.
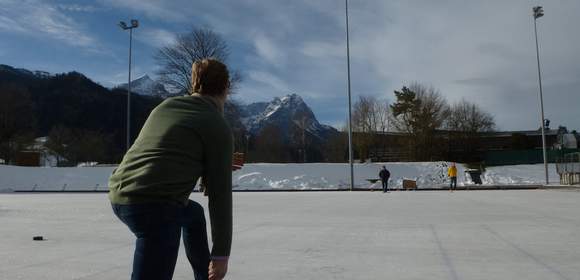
158	228
385	185
453	183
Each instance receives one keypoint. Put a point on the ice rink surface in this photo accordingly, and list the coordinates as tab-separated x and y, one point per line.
521	234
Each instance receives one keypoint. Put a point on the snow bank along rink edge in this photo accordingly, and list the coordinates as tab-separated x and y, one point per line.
267	176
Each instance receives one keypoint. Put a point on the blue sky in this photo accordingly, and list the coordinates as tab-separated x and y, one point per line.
482	51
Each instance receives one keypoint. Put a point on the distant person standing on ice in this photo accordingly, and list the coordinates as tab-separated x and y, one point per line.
183	139
384	174
452	173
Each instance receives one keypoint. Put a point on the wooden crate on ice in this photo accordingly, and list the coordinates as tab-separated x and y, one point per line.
409	184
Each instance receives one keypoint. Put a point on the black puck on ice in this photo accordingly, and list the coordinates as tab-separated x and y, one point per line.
38	238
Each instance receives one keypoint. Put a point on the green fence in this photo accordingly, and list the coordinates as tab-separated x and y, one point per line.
492	158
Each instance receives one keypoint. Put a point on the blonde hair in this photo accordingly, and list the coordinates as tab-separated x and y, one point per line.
209	77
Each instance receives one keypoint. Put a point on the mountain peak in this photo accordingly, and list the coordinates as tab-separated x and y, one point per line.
144	85
291	98
286	107
283	112
143	78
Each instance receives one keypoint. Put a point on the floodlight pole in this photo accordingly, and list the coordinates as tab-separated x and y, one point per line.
123	25
538	13
129	92
350	153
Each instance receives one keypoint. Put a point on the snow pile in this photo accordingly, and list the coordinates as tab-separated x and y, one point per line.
266	176
336	175
53	178
520	174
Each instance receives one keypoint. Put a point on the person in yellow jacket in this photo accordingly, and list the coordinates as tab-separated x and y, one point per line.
452	174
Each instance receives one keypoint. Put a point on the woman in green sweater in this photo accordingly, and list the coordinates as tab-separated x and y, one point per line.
185	138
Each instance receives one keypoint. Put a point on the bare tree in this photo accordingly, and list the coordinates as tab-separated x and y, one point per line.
298	133
420	111
382	113
469	118
433	108
370	115
363	115
176	59
59	138
466	121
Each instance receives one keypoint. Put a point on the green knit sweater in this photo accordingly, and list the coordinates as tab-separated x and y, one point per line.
183	139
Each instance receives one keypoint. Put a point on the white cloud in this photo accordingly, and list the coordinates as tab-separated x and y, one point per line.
270	80
79	8
155	37
488	43
119	76
324	49
35	18
10	25
268	51
479	50
174	10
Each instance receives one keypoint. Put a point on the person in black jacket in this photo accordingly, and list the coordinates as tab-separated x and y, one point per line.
384	174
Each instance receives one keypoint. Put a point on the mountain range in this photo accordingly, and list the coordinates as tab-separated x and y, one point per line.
75	102
286	113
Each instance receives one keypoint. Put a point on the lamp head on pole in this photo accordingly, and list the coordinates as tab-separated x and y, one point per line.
134	24
538	12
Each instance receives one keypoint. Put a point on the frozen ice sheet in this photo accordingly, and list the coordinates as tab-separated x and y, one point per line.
526	234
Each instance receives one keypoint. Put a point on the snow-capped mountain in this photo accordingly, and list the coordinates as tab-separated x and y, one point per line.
147	86
286	113
10	72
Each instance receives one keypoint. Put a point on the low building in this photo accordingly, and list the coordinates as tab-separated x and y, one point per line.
37	154
493	148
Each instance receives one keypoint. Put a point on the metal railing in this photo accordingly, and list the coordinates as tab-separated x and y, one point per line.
568	167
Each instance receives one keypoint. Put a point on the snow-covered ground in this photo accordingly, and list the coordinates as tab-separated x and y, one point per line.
282	176
523	234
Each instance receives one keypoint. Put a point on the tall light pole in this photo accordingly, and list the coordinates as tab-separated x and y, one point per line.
123	25
350	153
538	13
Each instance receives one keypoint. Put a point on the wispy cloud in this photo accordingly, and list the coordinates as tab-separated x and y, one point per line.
119	76
322	49
38	19
269	80
267	50
175	10
80	8
467	49
155	37
8	24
